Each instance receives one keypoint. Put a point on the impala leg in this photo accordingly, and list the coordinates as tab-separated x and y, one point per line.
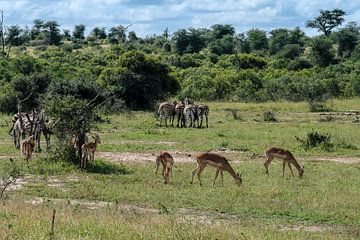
222	178
216	175
194	172
291	169
267	163
284	163
157	165
199	174
164	174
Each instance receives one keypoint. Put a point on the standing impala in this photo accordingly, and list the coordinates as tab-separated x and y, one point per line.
167	162
88	151
217	161
286	156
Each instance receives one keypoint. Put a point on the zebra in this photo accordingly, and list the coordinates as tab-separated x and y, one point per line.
31	124
42	125
201	110
179	113
167	110
22	126
195	113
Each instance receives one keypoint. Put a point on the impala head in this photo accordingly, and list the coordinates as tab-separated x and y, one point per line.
238	179
301	172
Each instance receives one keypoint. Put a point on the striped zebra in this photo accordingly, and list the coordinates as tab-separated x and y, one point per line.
42	125
22	125
32	124
203	109
179	113
167	110
190	115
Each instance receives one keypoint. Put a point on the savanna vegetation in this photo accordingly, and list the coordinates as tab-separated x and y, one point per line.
263	88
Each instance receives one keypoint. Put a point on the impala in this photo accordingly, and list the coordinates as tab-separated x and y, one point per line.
167	162
27	147
217	161
286	156
88	151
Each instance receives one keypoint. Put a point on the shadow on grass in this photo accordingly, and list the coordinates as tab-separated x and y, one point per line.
104	167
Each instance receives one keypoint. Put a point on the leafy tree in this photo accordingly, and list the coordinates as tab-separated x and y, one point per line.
36	29
118	34
98	33
257	39
79	31
188	41
321	52
327	20
13	36
218	31
224	45
290	51
242	44
52	33
138	79
132	36
278	39
347	39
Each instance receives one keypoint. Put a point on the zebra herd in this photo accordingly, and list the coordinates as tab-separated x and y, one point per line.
31	124
186	113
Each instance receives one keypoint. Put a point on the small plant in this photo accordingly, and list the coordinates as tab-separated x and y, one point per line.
235	114
224	144
318	106
163	209
315	139
269	116
328	118
8	175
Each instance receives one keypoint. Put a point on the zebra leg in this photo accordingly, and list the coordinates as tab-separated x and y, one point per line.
47	138
160	119
206	115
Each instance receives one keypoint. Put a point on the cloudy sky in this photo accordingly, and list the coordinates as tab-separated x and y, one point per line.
154	16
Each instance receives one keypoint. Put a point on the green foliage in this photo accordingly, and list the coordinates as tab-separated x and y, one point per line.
139	80
269	116
327	20
321	53
315	139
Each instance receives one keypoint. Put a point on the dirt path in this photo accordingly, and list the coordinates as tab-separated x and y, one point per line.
189	157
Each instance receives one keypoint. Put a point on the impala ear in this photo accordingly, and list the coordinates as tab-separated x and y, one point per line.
303	166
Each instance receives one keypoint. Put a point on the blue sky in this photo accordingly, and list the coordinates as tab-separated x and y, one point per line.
153	17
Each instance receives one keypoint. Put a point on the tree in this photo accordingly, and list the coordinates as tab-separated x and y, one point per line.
218	31
13	36
118	34
98	33
321	53
347	39
132	36
51	33
224	45
327	20
139	80
257	39
188	41
36	29
78	32
278	39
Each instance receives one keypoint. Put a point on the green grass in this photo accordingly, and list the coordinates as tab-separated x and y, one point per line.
327	198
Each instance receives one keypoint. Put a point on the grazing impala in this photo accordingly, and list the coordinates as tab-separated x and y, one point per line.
27	147
167	162
88	151
286	156
215	160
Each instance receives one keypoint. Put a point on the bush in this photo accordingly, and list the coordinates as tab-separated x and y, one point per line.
315	139
269	116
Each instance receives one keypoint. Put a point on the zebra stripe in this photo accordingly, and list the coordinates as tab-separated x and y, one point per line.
179	113
167	110
203	109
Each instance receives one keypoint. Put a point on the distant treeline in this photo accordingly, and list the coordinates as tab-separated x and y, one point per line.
205	64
